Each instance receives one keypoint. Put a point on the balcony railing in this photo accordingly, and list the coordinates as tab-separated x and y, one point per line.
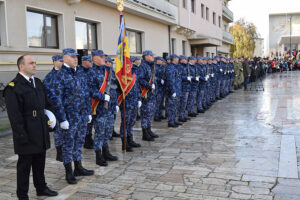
228	37
227	13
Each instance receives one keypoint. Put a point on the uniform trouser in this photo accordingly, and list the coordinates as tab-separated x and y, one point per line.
227	86
178	100
231	84
208	94
182	105
24	165
130	119
159	104
212	91
223	87
200	97
204	100
218	88
73	139
90	126
58	137
191	101
147	112
104	127
171	108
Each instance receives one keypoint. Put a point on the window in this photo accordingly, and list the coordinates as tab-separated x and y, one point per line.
207	54
86	35
184	3
183	47
219	21
202	11
214	18
173	45
212	55
42	30
207	13
193	6
135	41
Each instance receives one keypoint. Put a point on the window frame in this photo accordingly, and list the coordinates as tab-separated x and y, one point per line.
87	22
219	21
184	4
214	18
173	47
141	39
207	13
202	11
193	6
184	47
45	15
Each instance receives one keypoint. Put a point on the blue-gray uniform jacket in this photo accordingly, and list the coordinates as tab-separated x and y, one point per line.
184	72
68	103
201	72
207	73
145	73
214	69
134	95
160	73
171	77
86	76
194	74
48	83
223	67
98	79
232	74
178	80
218	72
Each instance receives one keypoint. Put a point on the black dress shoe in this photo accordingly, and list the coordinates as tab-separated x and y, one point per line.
182	120
192	115
172	125
147	136
107	155
157	120
200	111
46	192
100	160
187	118
153	135
178	123
163	117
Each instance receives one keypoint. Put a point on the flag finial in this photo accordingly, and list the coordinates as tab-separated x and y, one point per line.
120	5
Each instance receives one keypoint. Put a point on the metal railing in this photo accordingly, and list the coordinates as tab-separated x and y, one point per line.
227	13
228	37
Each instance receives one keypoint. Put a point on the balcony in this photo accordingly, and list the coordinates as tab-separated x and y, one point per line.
161	11
227	13
227	37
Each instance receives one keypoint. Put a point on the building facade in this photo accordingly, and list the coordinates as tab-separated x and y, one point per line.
284	33
43	28
259	47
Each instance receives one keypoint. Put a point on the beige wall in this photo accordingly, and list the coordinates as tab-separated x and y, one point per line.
179	38
155	34
195	22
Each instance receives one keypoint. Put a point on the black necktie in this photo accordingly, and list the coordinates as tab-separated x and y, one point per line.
31	82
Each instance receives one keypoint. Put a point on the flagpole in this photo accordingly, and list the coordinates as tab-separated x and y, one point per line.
120	6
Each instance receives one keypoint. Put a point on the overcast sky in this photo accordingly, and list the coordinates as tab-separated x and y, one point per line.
257	11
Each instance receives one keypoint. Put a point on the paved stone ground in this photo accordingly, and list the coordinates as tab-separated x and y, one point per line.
230	152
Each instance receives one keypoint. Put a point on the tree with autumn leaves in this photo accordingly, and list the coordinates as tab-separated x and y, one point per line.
244	39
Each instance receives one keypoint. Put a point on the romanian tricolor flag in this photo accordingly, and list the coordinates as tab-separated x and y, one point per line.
123	65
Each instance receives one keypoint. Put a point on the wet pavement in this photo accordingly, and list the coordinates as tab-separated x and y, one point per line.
245	147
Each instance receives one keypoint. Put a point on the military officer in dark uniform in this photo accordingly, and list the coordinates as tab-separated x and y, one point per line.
26	102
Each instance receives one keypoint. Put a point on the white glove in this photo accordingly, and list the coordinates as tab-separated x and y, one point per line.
225	73
64	125
52	119
213	75
174	95
90	118
139	104
153	86
117	109
107	98
189	78
162	82
221	70
206	78
197	78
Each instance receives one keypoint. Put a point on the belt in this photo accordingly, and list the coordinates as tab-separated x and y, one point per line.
34	113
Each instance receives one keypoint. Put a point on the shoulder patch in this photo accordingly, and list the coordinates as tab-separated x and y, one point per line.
12	84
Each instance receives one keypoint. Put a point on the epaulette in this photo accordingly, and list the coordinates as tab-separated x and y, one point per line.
12	84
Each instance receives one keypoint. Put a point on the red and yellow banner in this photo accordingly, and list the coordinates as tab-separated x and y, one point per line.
95	102
123	65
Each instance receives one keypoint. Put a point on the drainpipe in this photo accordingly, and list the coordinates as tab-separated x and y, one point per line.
169	35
